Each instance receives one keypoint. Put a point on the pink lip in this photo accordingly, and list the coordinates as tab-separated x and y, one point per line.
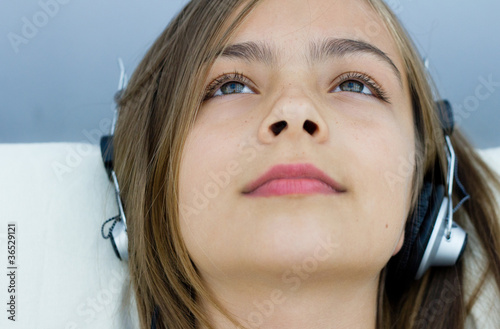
302	178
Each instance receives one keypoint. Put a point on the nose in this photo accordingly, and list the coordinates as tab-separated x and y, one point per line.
294	116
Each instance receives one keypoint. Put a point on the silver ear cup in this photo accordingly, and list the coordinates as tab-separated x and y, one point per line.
119	232
451	249
442	250
120	240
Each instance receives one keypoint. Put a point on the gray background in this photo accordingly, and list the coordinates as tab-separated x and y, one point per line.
59	84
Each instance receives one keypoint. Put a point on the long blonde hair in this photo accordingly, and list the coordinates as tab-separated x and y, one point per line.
157	111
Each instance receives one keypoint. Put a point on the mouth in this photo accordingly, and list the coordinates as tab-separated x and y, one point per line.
285	179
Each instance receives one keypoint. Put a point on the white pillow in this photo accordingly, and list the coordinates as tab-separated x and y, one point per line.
67	275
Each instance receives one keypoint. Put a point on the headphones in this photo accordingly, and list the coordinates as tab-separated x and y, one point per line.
117	233
431	236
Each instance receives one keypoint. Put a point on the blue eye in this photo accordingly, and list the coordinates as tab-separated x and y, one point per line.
361	83
353	86
232	87
228	83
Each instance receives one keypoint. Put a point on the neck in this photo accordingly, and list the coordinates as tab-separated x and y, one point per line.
295	302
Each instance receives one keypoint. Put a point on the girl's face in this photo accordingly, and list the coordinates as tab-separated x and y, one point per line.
332	73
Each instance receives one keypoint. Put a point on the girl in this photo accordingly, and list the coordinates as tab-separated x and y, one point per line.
272	155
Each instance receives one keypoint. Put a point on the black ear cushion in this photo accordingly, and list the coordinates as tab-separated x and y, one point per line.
425	231
107	153
403	267
397	265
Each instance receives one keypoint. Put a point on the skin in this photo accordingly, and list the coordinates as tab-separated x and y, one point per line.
299	260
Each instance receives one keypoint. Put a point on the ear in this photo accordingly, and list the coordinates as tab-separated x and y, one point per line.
400	243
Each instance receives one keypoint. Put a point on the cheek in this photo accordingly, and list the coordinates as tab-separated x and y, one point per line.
210	171
196	189
193	202
383	166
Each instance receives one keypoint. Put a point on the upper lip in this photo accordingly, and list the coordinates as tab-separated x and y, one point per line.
298	170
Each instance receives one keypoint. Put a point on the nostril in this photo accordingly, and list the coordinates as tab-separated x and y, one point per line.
278	127
310	127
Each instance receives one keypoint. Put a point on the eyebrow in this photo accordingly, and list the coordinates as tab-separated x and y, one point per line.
319	51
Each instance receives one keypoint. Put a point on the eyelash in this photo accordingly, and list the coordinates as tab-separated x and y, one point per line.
376	89
221	80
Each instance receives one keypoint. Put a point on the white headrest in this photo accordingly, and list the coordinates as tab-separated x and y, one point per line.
67	275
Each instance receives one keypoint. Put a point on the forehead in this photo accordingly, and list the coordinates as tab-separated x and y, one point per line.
290	25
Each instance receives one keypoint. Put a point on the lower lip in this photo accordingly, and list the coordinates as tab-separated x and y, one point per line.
293	186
